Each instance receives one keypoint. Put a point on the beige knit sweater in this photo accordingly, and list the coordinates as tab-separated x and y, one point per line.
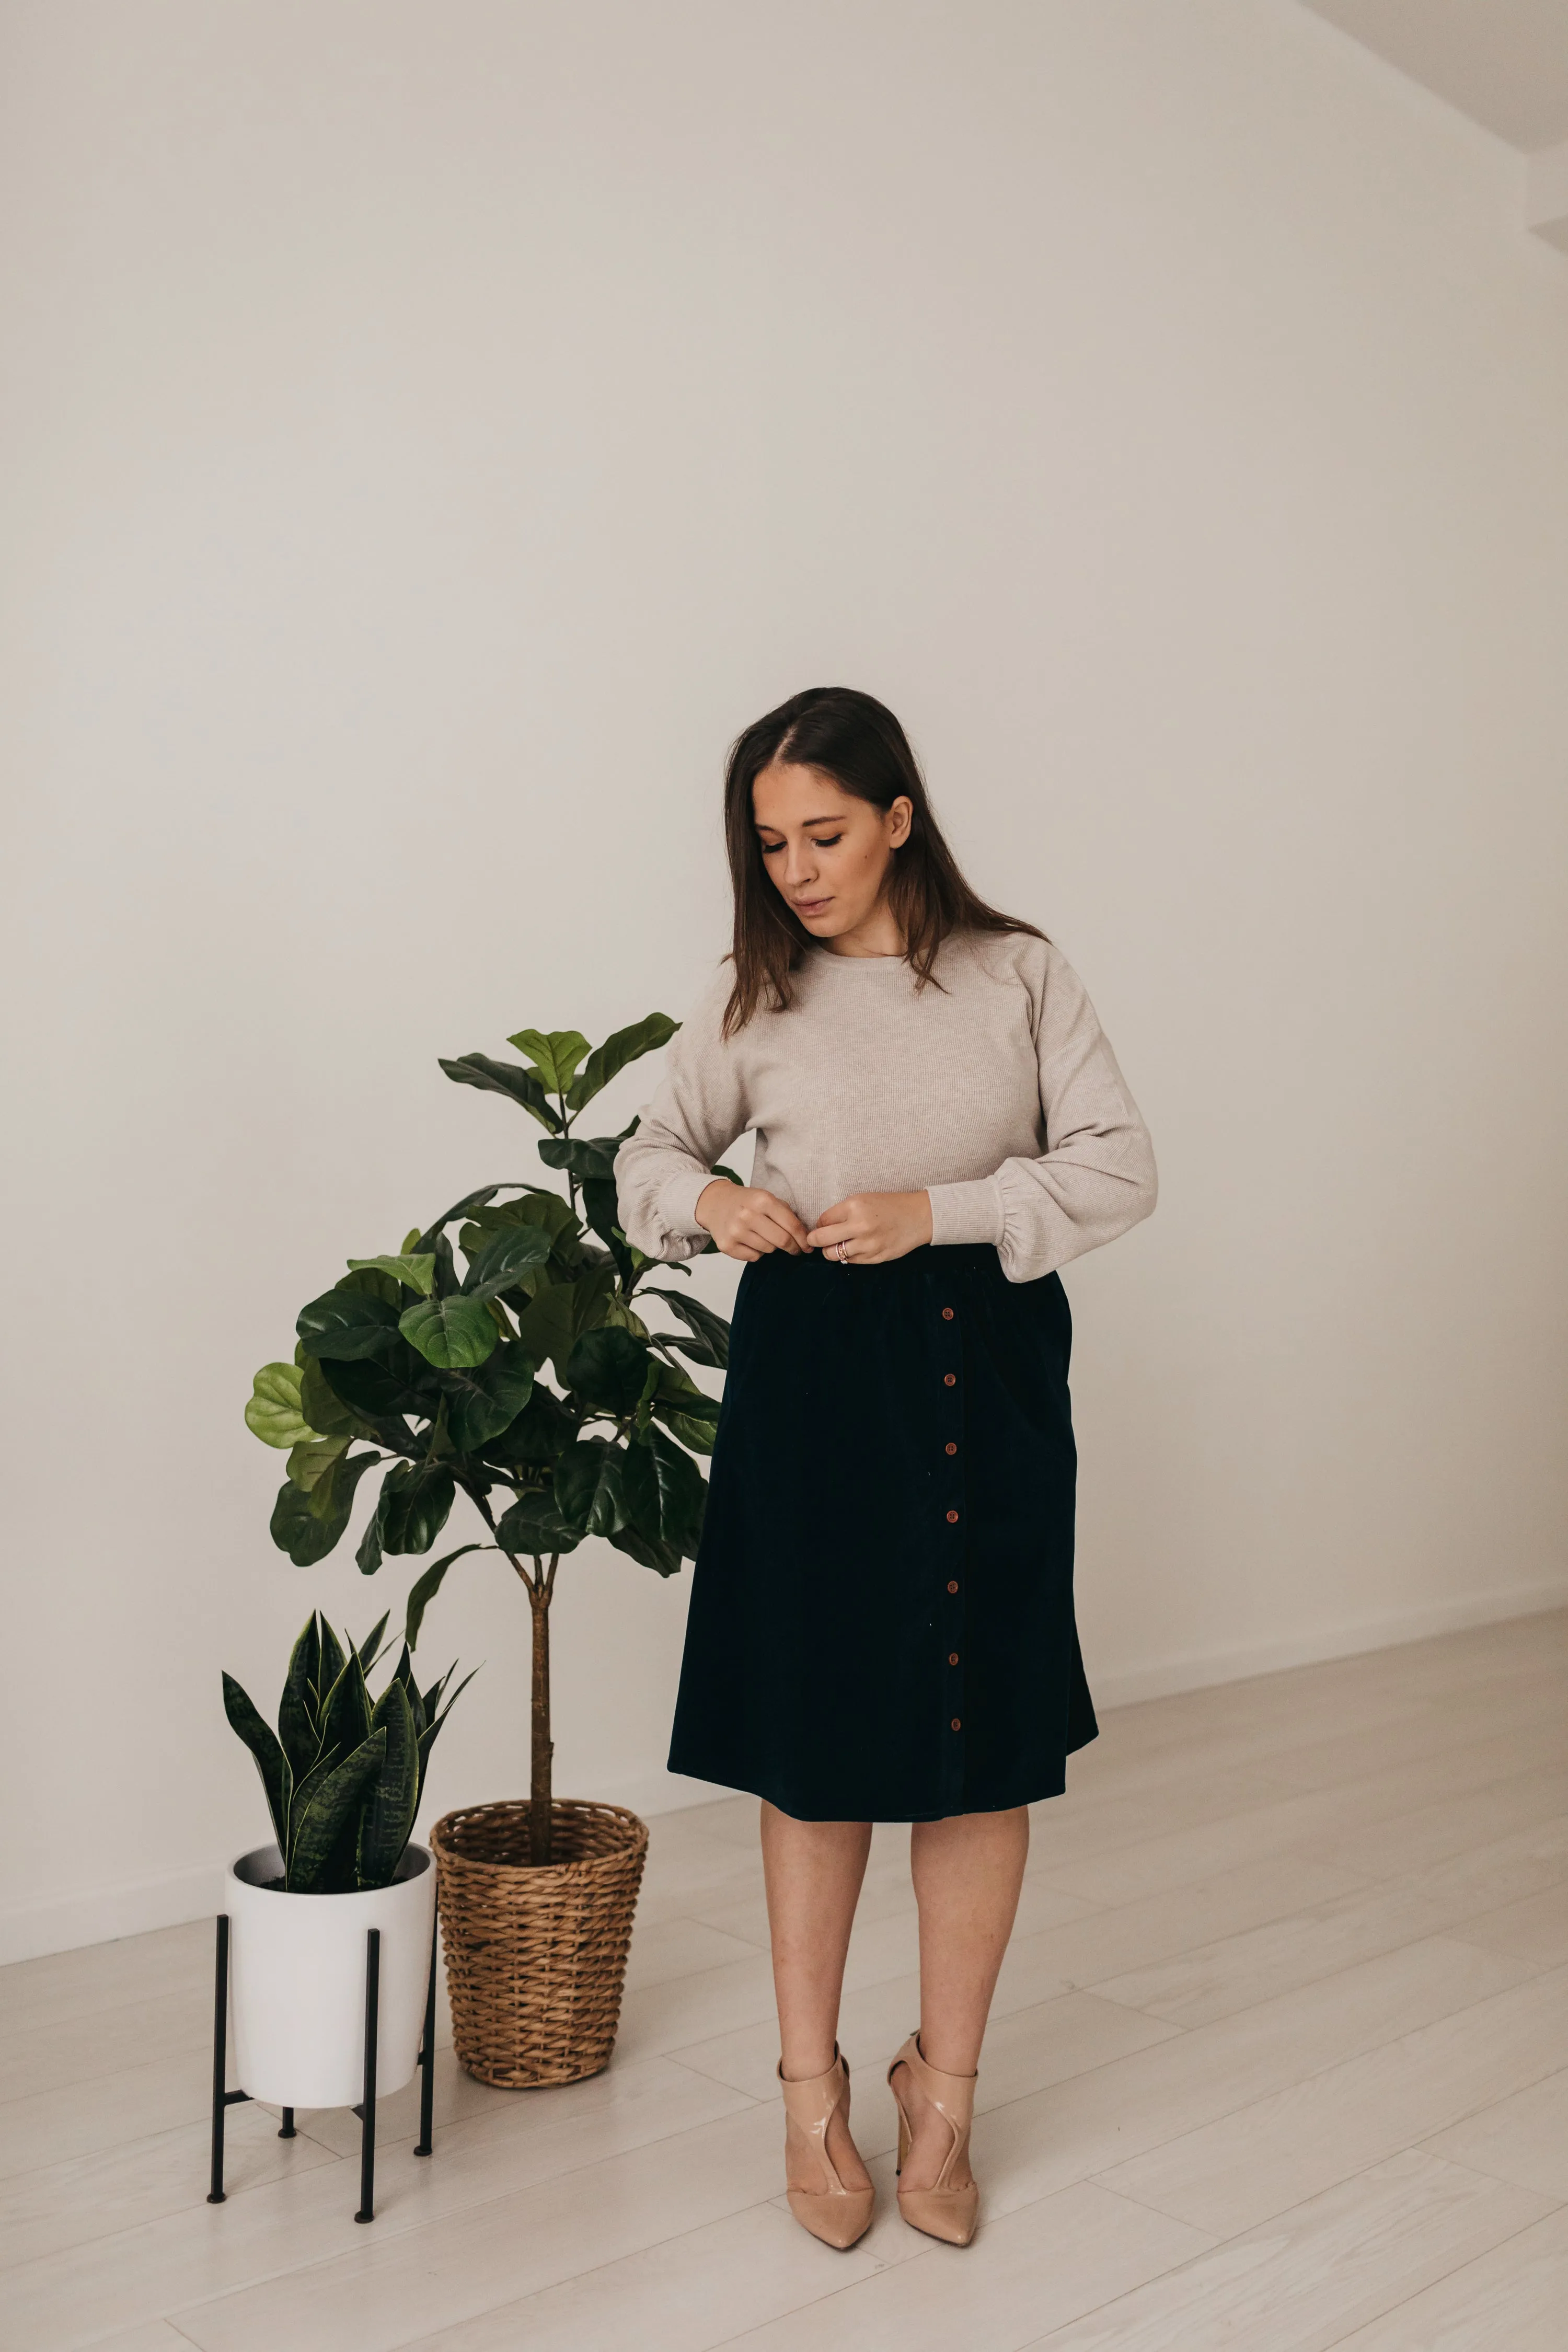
998	1092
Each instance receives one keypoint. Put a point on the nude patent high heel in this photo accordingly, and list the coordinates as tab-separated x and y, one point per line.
834	2213
941	2210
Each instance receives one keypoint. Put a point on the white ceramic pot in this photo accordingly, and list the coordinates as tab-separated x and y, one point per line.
297	1977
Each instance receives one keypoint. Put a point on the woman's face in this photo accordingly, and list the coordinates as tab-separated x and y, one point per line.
825	852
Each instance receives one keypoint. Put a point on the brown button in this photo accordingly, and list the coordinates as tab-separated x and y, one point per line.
956	1725
951	1448
950	1379
947	1314
953	1584
951	1518
952	1657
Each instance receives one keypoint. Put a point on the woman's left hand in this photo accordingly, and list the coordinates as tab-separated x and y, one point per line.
875	1225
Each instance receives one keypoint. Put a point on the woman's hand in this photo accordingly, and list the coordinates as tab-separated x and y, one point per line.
746	1221
876	1225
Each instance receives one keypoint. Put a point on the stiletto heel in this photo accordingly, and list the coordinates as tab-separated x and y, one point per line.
834	2213
941	2210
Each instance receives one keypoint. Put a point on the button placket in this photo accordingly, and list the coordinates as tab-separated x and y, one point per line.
952	1525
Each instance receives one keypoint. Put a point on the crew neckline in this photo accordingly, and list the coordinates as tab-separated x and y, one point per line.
826	955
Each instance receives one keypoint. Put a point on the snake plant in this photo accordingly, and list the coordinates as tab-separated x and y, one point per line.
343	1776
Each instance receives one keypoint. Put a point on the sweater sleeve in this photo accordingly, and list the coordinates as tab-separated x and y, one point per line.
1096	1177
696	1111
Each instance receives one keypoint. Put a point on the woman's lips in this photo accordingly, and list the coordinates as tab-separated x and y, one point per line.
809	906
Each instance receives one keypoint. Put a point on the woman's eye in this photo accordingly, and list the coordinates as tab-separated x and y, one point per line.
828	840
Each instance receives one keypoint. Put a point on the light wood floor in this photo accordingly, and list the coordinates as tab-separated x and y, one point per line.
1278	2062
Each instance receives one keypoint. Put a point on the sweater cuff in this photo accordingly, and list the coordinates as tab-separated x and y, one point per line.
677	1203
966	1213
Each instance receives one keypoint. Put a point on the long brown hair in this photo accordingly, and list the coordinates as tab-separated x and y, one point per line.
858	742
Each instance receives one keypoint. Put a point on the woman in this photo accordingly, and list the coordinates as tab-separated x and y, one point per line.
882	1625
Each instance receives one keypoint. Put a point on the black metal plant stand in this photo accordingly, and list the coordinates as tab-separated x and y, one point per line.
223	2099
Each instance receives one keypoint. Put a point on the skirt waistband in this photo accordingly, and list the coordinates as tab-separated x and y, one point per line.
928	1260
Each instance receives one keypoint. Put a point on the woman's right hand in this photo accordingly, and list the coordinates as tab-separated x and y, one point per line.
746	1221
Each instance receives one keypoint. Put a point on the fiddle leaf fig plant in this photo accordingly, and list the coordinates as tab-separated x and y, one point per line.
432	1364
344	1775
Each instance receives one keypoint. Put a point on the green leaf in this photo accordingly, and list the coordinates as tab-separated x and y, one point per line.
428	1736
345	1325
547	1326
272	1764
469	1202
404	1673
601	1206
504	1078
386	1821
416	1498
662	1557
274	1412
294	1528
514	1251
366	1651
698	1435
588	1486
445	1280
449	1331
305	1789
585	1155
384	1392
606	1061
665	1492
558	1315
646	1395
331	1498
624	1317
533	1524
607	1367
425	1589
541	1431
481	1404
413	1271
536	1205
324	1409
710	1330
330	1665
333	1802
345	1710
298	1710
554	1054
688	1411
309	1464
367	1552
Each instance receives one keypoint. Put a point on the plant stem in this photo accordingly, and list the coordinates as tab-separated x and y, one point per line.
540	1590
542	1747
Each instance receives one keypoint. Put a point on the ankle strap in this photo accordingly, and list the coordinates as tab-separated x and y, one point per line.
799	2082
952	2095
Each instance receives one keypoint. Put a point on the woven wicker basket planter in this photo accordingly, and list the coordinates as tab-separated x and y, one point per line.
536	1959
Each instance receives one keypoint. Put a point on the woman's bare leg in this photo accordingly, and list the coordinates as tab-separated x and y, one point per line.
967	1871
813	1871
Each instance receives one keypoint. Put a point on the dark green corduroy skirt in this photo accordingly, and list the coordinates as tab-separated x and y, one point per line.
881	1624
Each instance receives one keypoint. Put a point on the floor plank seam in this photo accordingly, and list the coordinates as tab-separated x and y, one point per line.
1464	2263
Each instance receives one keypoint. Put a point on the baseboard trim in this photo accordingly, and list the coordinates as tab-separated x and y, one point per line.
1417	1621
99	1915
131	1907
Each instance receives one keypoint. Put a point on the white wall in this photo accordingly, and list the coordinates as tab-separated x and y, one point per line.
433	431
